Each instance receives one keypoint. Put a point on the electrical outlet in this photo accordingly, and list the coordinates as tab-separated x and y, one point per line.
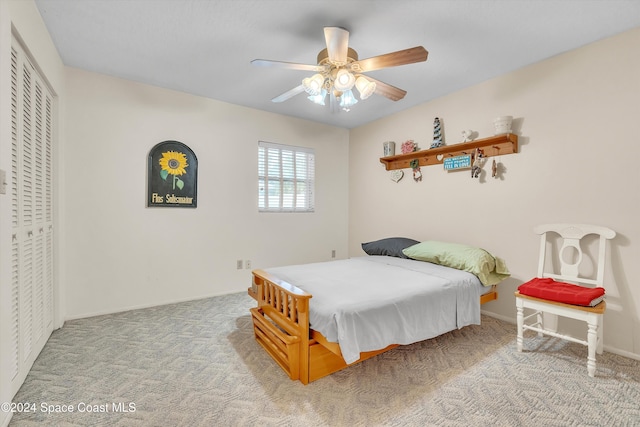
247	264
239	264
333	253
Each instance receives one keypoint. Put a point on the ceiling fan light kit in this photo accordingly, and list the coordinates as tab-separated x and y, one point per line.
338	70
344	80
313	85
347	100
318	99
365	87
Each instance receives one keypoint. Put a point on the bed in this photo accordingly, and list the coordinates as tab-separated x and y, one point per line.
315	319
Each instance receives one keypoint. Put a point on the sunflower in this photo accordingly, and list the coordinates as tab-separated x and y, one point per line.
174	163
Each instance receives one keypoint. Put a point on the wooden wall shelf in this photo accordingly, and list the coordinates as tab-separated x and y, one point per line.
492	146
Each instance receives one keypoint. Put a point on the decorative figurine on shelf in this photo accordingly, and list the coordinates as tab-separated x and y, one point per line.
467	135
408	147
437	134
476	167
502	124
389	148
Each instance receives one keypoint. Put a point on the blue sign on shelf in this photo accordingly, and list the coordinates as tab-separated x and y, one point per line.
458	162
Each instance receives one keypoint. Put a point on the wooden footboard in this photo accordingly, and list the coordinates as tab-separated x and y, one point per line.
281	327
281	323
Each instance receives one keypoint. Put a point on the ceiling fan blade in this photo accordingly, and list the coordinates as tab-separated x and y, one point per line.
337	44
393	59
288	94
386	90
289	65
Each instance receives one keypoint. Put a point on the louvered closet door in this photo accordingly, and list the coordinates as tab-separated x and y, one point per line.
32	214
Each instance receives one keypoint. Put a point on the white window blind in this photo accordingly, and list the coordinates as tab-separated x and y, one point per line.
286	178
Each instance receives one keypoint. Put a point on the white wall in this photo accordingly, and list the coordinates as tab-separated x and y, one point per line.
578	162
119	254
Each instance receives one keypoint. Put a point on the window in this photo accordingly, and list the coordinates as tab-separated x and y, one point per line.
285	178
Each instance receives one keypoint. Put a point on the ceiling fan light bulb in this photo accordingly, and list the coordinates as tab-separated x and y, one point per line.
344	80
313	85
347	100
318	99
365	87
306	84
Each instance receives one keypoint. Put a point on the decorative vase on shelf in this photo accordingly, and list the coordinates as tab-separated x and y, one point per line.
502	124
389	148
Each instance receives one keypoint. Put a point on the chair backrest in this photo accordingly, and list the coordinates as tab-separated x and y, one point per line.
571	235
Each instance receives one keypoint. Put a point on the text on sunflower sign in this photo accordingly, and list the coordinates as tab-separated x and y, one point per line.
170	198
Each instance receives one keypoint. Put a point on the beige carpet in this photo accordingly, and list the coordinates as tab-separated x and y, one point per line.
197	364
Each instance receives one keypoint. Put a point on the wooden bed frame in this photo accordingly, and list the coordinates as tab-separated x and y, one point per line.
281	327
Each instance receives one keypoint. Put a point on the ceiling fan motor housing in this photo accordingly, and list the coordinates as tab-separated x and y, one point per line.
323	56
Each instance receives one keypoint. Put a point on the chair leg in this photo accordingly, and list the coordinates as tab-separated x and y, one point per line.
600	346
592	342
520	324
540	319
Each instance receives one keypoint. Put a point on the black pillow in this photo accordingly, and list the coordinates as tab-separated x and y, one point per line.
391	246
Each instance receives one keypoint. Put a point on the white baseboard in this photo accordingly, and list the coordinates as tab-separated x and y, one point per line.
499	316
608	348
623	353
7	418
138	307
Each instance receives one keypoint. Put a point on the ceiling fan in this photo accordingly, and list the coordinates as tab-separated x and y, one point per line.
339	70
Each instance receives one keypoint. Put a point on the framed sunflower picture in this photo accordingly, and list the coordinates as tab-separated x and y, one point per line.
172	176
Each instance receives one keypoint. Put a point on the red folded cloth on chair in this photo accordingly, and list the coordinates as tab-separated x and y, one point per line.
567	293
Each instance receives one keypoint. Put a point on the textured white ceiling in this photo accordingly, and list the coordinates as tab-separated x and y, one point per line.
204	47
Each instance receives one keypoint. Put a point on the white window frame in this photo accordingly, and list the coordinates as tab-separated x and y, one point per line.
286	178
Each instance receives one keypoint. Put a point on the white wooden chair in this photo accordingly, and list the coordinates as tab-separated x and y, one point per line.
571	235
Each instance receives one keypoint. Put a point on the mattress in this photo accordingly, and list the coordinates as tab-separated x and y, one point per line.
368	303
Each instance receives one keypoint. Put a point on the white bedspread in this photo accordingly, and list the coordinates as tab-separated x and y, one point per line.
368	303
